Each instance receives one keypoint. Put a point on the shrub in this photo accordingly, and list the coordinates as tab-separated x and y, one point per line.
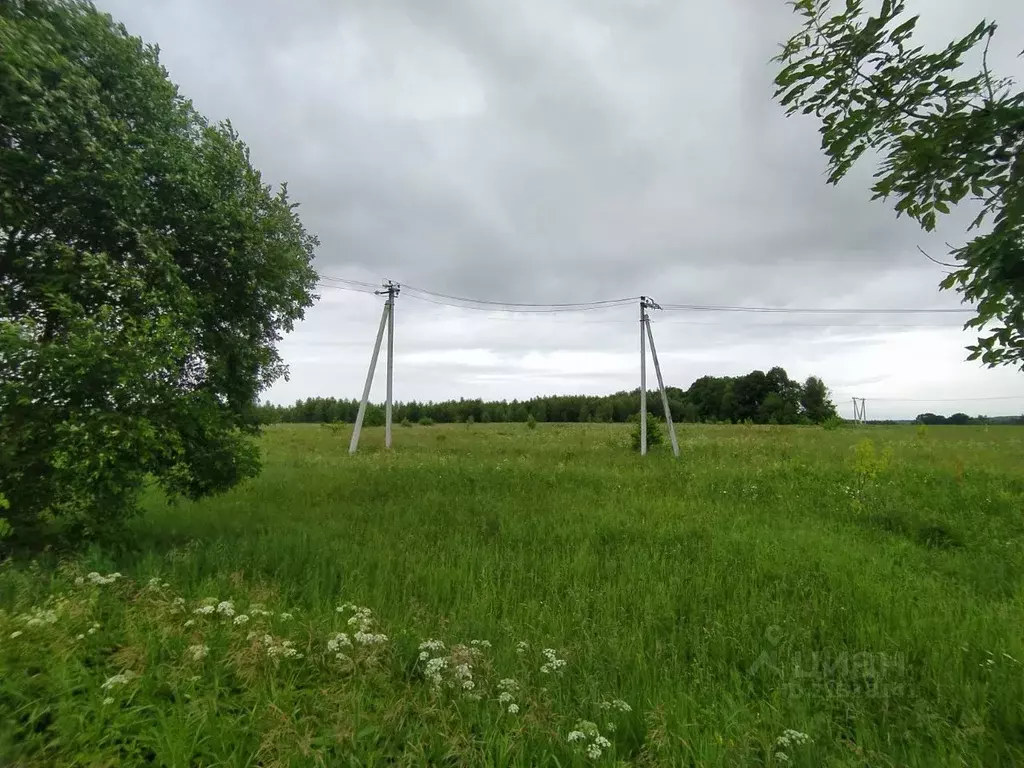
406	422
426	421
655	433
148	275
531	423
831	423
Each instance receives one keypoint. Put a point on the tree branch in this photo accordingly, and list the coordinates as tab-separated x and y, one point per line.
940	263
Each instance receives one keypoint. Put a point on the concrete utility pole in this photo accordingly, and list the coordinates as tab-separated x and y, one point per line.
643	377
392	291
646	302
661	385
387	318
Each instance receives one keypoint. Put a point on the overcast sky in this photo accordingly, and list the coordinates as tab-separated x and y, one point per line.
556	151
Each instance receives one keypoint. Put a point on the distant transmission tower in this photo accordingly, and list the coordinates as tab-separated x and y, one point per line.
859	410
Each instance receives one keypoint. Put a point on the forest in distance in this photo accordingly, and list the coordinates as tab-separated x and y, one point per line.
757	397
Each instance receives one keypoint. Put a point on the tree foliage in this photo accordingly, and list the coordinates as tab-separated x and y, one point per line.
763	398
146	275
944	136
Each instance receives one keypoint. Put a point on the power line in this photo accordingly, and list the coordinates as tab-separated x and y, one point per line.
813	310
937	400
464	302
534	309
521	305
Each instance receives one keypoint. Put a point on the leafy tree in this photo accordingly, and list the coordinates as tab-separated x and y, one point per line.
942	136
815	402
146	275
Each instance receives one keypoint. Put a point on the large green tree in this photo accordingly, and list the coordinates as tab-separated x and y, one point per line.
146	276
943	136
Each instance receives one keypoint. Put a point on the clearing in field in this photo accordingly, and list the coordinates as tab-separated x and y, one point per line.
505	596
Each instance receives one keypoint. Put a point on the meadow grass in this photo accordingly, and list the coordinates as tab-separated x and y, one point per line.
776	596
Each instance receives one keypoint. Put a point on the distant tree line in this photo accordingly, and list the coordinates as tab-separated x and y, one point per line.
758	397
963	418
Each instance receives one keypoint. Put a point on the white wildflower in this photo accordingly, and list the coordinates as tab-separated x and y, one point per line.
95	578
108	701
79	637
480	643
93	630
468	685
226	607
505	697
790	738
610	727
431	645
178	602
154	583
368	638
79	581
593	751
204	610
16	634
119	679
341	657
165	585
508	684
340	640
198	652
241	619
577	736
522	646
602	742
782	757
285	617
513	709
554	664
190	622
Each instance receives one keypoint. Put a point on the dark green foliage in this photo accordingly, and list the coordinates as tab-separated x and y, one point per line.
146	275
763	398
531	423
426	421
815	402
943	137
655	432
405	422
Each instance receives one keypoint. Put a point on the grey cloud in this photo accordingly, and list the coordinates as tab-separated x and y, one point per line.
547	151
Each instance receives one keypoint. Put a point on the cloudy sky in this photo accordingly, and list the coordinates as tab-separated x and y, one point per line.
553	151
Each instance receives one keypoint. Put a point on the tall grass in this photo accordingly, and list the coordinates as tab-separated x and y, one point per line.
777	596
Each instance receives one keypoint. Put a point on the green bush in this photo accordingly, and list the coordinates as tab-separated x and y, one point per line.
426	421
531	423
406	422
832	422
655	432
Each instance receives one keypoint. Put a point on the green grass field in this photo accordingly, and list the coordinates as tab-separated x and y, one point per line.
777	596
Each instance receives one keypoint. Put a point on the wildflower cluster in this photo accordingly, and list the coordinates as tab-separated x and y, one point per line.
364	623
587	736
155	584
97	579
553	664
451	669
122	678
787	741
509	690
340	640
275	647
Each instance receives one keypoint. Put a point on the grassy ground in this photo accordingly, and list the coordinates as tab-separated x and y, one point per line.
778	596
